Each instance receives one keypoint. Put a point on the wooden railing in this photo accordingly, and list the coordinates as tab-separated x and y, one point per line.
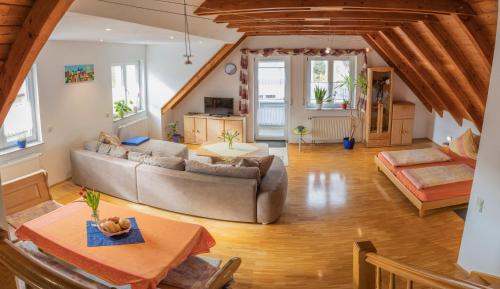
369	268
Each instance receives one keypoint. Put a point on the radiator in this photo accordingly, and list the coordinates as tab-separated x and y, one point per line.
330	129
135	128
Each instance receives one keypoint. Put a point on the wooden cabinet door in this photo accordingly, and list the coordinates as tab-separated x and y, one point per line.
200	125
235	125
397	131
189	131
215	127
407	135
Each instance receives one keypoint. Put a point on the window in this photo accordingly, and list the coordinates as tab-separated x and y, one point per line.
328	72
22	119
126	85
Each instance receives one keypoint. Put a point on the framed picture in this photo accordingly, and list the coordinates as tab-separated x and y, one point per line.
78	73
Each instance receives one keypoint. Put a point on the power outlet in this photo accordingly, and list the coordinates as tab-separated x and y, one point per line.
480	204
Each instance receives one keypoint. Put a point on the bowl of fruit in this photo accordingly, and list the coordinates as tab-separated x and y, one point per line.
114	226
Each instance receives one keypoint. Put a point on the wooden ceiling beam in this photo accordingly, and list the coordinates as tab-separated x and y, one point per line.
37	27
443	93
318	15
299	28
474	110
211	7
315	23
318	33
478	36
426	95
452	49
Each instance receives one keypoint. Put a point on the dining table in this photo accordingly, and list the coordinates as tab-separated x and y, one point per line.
167	243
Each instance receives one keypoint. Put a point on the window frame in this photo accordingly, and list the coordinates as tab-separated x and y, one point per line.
32	95
308	101
141	77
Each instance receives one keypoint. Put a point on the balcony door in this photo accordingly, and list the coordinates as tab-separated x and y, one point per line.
271	98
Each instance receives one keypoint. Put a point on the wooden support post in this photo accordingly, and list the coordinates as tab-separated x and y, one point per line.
363	272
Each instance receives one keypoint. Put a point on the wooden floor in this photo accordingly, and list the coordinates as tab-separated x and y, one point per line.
335	197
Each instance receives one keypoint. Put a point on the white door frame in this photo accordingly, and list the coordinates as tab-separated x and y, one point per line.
288	90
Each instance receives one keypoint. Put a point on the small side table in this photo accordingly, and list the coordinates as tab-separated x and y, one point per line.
301	135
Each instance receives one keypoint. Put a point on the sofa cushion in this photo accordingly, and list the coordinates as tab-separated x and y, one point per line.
263	163
118	152
173	163
137	156
109	139
92	145
104	148
223	170
160	148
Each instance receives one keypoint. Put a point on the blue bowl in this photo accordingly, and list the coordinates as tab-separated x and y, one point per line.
21	144
349	143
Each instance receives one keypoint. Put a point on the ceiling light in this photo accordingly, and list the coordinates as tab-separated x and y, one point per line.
171	37
101	40
327	50
201	42
108	29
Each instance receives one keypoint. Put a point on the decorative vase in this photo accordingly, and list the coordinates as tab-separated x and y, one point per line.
318	106
344	105
230	144
95	216
176	138
21	144
349	143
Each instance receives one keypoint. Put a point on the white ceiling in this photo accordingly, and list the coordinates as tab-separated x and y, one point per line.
81	27
162	14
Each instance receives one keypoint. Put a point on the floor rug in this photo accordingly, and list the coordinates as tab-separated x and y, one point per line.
274	143
282	153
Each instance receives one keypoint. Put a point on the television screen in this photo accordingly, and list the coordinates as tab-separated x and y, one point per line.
219	106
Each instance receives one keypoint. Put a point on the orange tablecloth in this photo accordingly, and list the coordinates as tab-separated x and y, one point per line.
62	233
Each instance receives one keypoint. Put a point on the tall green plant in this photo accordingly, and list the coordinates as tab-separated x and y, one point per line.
349	82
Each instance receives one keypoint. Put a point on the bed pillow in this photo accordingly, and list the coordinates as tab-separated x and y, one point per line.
466	145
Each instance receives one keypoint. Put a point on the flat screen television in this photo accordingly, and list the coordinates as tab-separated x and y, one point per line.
219	106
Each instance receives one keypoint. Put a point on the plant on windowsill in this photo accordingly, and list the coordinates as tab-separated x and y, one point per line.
350	84
229	137
92	199
345	104
121	108
21	141
320	96
173	134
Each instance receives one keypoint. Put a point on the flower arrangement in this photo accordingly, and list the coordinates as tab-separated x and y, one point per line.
229	137
21	141
91	198
121	108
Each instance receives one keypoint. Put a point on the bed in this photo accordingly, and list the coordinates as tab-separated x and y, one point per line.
429	198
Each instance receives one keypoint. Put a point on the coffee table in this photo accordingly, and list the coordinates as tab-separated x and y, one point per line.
222	150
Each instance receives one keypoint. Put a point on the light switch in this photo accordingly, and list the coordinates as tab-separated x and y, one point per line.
480	204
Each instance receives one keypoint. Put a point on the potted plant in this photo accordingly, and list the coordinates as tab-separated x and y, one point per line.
21	141
350	83
173	134
344	104
121	108
320	96
229	137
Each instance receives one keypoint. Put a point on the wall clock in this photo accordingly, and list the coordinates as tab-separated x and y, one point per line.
230	68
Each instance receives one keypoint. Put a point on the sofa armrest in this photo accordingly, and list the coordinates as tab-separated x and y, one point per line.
272	194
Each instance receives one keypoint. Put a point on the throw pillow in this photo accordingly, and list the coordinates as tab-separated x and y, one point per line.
104	148
118	152
92	145
109	139
465	145
173	163
223	170
137	156
263	163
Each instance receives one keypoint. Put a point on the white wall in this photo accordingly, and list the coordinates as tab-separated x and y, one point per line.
480	248
73	113
167	73
219	84
442	127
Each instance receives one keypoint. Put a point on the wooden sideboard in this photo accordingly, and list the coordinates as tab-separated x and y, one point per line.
403	118
202	128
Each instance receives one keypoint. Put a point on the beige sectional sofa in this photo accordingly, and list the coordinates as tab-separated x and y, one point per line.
224	198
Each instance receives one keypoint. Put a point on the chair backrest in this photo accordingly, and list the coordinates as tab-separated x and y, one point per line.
225	274
25	192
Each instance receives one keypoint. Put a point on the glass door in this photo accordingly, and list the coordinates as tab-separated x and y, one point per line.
271	98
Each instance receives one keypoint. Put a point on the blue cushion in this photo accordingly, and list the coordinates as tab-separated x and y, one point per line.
135	141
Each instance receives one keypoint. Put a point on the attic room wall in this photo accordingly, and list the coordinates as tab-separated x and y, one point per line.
219	84
167	73
73	113
445	126
480	248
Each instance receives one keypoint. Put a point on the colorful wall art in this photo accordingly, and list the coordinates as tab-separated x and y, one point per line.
78	73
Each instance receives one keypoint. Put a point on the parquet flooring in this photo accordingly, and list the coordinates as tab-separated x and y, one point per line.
334	198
